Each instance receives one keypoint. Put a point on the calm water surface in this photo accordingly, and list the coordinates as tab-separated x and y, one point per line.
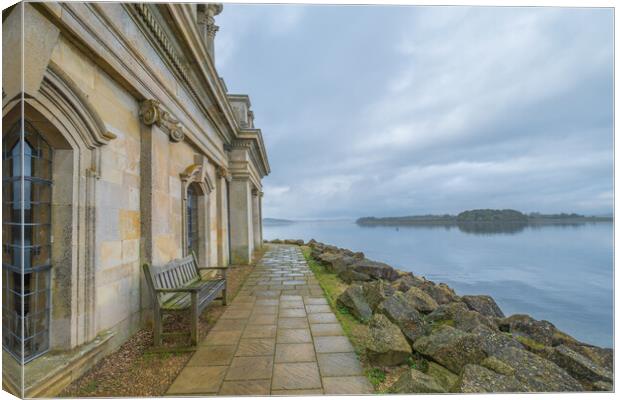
563	274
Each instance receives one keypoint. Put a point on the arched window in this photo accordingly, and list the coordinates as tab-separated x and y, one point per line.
26	258
192	229
196	186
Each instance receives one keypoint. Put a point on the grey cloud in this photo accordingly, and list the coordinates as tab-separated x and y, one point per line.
370	110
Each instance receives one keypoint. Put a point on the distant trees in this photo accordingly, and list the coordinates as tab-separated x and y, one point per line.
488	215
482	217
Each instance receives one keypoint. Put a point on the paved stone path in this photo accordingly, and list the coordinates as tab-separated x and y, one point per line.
278	336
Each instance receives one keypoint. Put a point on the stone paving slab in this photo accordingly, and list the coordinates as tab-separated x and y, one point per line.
279	337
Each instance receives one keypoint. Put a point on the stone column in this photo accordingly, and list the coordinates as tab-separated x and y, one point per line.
260	215
256	219
241	232
222	177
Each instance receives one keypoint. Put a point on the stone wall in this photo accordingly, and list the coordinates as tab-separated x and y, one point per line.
135	113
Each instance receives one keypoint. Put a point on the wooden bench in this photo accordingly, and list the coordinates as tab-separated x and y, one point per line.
179	286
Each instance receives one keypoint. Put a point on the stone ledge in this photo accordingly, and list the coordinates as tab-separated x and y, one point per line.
49	374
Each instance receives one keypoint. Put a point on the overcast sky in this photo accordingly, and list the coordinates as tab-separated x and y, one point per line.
401	110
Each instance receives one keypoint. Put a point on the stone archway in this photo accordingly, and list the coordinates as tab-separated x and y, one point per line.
62	113
196	176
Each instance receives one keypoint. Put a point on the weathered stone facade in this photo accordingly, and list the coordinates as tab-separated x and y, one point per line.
152	158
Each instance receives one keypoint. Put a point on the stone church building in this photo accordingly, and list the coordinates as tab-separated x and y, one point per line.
121	146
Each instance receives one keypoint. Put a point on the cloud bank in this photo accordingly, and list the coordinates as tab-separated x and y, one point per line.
399	110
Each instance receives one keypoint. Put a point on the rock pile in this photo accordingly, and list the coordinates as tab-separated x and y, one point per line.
468	343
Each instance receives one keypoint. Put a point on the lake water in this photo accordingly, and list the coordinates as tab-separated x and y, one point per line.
563	274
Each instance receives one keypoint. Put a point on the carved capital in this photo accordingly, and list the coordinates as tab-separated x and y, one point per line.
254	192
222	172
211	28
151	112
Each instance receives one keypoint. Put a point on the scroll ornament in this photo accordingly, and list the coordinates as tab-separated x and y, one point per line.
151	112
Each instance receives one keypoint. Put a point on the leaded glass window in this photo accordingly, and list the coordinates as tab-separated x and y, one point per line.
26	239
192	228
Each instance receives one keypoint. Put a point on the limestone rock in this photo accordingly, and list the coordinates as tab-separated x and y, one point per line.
497	365
349	276
459	316
485	305
451	348
297	242
406	282
386	346
441	293
376	270
478	379
447	312
414	381
602	386
494	341
523	325
579	366
421	300
335	262
399	311
446	379
601	356
538	374
376	292
353	299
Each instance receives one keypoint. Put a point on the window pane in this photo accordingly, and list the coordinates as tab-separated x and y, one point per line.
26	294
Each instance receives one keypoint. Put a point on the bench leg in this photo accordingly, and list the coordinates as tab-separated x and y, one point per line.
225	296
157	327
194	321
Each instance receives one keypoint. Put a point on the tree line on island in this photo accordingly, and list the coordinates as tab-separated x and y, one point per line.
483	216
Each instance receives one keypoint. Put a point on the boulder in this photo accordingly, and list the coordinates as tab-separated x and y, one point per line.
335	262
478	379
602	386
386	346
353	300
376	270
485	305
494	341
541	332
601	356
447	312
311	243
376	292
443	376
420	300
276	241
399	311
441	293
349	276
451	348
579	366
406	282
497	365
457	314
316	252
538	374
297	242
414	381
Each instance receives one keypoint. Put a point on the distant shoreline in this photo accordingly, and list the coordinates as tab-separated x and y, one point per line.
483	217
